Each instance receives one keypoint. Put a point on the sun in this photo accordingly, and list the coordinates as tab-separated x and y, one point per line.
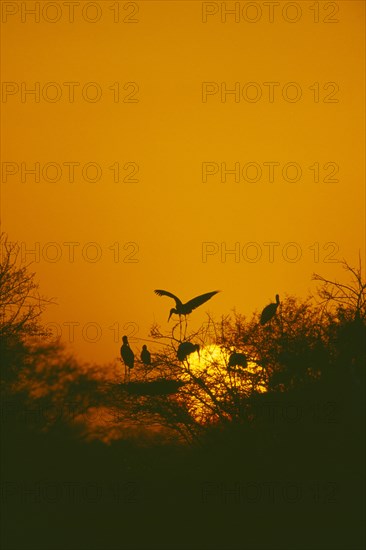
212	360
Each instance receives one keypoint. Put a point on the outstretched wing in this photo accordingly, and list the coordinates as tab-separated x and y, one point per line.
166	293
199	300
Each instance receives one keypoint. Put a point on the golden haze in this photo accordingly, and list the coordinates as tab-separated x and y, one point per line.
169	212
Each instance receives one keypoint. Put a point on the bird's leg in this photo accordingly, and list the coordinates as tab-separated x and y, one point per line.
185	327
180	328
188	366
280	320
232	378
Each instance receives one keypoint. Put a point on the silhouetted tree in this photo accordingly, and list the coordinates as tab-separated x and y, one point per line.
21	303
299	353
343	306
21	306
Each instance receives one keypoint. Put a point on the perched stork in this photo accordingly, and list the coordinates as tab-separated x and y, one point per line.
127	356
145	356
269	311
185	349
237	360
185	309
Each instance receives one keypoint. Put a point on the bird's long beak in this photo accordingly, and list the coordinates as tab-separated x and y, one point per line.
169	317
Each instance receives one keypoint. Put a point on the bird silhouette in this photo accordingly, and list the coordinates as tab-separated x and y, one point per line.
269	311
127	356
185	349
237	360
145	356
185	309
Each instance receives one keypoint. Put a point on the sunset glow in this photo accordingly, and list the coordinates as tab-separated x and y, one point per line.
175	177
182	274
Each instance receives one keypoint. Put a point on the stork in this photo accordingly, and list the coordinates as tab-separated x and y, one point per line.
188	307
269	311
127	356
185	349
237	360
145	356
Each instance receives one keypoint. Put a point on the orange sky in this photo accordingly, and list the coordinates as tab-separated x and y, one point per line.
168	133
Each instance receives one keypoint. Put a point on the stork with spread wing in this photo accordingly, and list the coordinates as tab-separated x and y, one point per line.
188	307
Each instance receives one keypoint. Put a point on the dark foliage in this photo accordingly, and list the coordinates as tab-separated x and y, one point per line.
192	457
